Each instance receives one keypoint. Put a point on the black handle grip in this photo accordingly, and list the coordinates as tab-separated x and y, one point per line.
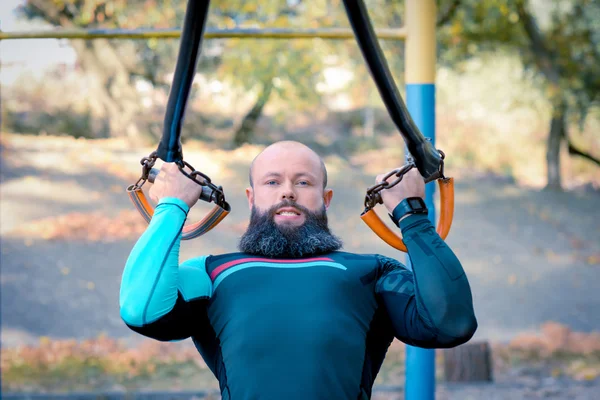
169	148
426	158
153	174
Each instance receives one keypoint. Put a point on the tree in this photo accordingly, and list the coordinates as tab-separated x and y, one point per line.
570	69
112	66
295	68
275	70
565	55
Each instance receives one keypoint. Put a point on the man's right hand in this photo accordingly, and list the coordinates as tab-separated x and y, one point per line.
170	182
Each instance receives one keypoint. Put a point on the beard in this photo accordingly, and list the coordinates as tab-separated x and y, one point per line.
266	238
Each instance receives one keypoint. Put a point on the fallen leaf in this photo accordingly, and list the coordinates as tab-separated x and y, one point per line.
576	243
551	256
588	374
593	259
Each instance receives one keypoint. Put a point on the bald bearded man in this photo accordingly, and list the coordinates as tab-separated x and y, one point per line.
291	316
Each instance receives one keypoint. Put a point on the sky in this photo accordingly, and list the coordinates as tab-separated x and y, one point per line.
32	55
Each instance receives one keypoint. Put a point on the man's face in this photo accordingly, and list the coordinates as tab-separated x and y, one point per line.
288	174
288	205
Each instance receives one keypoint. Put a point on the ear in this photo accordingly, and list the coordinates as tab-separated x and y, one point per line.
327	196
250	196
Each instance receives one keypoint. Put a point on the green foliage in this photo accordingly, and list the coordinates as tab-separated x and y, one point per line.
577	37
569	32
293	67
152	57
480	26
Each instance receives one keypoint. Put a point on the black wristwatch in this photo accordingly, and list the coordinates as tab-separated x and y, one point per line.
410	205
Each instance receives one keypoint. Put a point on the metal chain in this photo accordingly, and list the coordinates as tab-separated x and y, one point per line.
373	196
147	164
216	194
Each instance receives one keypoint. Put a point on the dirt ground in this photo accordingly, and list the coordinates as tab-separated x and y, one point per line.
67	227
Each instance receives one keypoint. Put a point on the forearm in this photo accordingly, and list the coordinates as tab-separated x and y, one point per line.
442	292
150	278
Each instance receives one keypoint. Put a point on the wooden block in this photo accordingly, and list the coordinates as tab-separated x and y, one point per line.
471	362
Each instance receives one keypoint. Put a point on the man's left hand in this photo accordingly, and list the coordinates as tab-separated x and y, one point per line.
411	185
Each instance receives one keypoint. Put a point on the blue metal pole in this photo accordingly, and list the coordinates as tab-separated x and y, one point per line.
420	363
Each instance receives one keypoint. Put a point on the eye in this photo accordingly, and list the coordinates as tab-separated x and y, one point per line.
303	183
271	183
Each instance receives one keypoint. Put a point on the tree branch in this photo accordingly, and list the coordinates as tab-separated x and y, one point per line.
49	13
448	14
543	56
576	152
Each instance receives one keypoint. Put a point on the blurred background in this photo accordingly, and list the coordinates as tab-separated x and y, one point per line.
517	90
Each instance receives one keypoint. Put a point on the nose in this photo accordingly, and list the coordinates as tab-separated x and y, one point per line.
287	192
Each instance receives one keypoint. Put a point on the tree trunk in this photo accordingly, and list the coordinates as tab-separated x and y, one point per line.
555	138
547	64
448	14
470	362
245	132
114	94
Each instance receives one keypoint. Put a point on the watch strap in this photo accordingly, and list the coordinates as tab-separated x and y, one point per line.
410	205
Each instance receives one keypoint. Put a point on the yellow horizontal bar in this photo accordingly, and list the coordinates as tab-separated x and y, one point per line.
325	33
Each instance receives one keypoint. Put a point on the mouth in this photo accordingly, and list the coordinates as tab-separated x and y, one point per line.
288	213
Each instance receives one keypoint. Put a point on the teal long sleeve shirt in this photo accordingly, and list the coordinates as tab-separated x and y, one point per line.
310	328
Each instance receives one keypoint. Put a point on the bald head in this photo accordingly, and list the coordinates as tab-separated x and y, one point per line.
276	153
